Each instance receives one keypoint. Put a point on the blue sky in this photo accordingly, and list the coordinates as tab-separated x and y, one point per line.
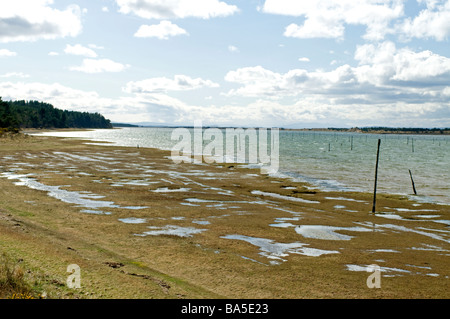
243	63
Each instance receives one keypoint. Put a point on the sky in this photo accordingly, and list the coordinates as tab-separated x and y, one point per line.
269	63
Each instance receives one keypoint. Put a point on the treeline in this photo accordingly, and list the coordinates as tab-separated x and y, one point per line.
34	114
393	130
411	130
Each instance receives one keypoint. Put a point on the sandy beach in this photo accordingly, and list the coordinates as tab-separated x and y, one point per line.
140	226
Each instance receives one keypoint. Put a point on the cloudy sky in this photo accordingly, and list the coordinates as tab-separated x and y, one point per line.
290	63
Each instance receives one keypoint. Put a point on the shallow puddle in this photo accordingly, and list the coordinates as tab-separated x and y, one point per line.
282	222
327	232
169	190
81	199
132	220
290	198
201	222
346	199
172	230
275	251
420	232
95	212
387	270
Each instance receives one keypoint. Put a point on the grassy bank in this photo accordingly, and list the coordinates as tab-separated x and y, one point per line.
140	226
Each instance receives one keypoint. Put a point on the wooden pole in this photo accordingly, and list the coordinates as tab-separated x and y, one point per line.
412	181
376	178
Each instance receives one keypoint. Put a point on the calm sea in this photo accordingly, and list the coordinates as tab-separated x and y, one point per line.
333	161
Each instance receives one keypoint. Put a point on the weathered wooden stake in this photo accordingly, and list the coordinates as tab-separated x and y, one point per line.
376	178
412	181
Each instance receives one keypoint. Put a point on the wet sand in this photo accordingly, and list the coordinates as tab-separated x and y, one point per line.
141	226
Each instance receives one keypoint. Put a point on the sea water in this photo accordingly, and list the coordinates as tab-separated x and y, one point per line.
331	160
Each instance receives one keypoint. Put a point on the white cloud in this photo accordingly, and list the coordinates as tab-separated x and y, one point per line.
233	49
57	94
158	107
162	9
384	64
150	107
105	9
384	74
99	66
163	31
162	84
260	82
14	75
97	47
327	18
80	50
31	20
7	53
432	22
256	81
315	28
304	59
53	53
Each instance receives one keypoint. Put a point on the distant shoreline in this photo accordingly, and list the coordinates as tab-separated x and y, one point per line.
379	130
364	130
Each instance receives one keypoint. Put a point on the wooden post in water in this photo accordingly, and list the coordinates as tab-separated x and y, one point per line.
376	177
412	181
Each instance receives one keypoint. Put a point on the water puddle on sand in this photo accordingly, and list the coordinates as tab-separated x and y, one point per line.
383	251
412	210
282	222
387	270
81	199
390	216
290	198
418	218
201	222
123	182
170	190
427	216
172	230
276	251
420	232
133	220
95	212
346	199
327	232
91	158
212	203
428	247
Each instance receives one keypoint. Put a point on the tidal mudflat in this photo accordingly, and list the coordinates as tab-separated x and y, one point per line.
208	231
